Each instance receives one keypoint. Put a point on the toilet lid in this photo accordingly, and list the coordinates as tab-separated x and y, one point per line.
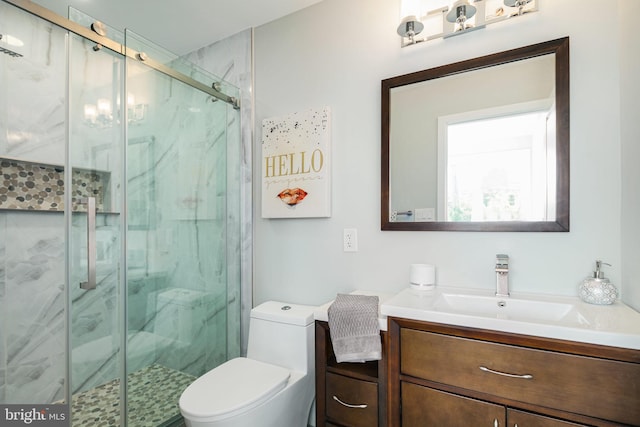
233	387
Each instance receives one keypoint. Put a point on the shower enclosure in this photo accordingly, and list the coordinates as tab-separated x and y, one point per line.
118	220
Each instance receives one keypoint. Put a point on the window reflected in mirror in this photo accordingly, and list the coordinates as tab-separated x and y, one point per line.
478	145
497	169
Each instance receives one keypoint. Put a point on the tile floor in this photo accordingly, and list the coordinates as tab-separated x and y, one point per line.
152	398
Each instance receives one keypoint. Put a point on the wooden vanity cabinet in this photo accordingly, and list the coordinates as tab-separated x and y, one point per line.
348	394
441	375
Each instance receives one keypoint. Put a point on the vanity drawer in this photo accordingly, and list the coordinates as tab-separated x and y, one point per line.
595	387
355	393
520	418
423	406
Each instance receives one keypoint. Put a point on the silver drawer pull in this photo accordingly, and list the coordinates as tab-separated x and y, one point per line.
504	374
495	422
347	405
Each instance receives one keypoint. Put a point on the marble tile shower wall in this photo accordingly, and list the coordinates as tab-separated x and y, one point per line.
32	362
33	126
32	299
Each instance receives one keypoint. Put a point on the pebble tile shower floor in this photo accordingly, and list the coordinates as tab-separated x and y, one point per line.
152	399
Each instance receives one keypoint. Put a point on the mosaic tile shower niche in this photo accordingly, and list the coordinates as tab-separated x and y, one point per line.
41	187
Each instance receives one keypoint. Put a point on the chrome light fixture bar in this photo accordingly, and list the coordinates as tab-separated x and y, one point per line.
441	19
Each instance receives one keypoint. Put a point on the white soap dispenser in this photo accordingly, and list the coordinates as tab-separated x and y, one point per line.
597	289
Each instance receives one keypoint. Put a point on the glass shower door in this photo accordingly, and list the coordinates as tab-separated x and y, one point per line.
95	223
178	234
106	302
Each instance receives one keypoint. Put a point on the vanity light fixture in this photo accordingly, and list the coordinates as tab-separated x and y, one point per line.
520	4
460	12
409	28
436	19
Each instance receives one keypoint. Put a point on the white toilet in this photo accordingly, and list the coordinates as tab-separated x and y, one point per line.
272	387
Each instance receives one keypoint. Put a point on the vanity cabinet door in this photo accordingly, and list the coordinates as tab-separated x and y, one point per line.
426	407
517	418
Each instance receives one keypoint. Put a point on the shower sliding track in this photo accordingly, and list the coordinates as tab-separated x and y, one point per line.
105	42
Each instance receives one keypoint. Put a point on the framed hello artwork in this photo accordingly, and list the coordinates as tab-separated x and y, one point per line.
296	165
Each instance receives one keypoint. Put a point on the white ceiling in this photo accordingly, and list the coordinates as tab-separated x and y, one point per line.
181	26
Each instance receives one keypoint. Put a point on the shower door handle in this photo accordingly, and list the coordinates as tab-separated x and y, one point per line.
91	244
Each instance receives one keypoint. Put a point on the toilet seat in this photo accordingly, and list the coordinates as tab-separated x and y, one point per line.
236	386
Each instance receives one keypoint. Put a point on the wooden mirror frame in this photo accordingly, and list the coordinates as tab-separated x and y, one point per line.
560	48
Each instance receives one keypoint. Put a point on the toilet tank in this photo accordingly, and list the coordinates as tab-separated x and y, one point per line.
282	334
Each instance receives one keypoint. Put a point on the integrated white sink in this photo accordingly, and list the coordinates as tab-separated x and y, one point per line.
560	317
505	308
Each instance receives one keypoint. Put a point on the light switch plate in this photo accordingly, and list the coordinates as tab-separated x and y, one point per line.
350	240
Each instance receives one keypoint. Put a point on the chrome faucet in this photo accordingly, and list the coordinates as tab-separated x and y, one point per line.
502	275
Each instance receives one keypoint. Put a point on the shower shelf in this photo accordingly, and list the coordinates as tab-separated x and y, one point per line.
34	186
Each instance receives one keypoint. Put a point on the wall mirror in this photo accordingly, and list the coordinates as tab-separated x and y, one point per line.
479	145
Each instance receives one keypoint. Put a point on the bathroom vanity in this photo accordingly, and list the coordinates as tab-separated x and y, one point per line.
456	362
465	357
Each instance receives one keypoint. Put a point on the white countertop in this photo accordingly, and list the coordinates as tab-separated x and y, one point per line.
571	319
321	312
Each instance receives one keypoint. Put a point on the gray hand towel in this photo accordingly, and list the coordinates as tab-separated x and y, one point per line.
354	328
